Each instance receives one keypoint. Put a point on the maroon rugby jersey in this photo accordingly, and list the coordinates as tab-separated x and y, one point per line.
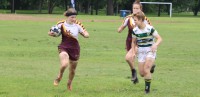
70	34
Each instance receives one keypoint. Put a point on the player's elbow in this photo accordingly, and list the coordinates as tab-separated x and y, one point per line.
161	39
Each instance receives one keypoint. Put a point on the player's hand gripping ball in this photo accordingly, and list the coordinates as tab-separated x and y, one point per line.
56	30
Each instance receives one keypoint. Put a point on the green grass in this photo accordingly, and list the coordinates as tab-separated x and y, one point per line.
29	60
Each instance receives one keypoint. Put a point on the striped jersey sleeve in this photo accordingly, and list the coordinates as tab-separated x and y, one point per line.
126	19
76	22
59	24
147	21
80	24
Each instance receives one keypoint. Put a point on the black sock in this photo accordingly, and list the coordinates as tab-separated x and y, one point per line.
147	85
133	72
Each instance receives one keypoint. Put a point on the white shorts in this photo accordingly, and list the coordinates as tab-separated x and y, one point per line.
144	52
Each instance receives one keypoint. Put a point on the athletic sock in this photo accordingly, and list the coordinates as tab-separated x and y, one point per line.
133	72
147	85
134	76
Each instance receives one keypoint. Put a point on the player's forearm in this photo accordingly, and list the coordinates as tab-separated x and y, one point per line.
158	41
85	34
120	29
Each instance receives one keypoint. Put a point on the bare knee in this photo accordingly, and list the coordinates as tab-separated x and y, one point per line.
129	58
64	59
146	69
146	72
141	73
63	65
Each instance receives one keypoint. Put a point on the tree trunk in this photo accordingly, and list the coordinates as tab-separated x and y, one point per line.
97	7
40	6
77	6
66	4
196	9
115	7
92	7
109	7
159	7
13	6
50	7
87	7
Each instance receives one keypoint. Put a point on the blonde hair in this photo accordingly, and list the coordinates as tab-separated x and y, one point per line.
70	11
138	3
140	15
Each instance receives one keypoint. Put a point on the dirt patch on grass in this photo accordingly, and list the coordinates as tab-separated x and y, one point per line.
52	19
25	17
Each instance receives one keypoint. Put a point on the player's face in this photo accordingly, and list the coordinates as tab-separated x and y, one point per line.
71	18
136	8
137	21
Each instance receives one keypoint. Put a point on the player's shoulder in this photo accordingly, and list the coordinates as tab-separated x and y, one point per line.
77	22
77	25
149	26
146	18
60	22
129	16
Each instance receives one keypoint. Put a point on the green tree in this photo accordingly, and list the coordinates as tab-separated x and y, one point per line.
3	4
110	7
196	7
52	4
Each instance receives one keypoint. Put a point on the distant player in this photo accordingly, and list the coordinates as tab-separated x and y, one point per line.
69	49
144	37
128	21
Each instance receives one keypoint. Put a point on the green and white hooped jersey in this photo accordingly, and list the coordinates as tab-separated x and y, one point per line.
144	37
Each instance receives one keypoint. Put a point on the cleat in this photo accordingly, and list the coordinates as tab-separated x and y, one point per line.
152	68
135	80
146	92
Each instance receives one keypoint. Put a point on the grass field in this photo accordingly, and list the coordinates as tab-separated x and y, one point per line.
29	59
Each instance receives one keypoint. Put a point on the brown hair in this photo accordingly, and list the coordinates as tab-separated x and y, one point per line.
69	12
140	15
138	3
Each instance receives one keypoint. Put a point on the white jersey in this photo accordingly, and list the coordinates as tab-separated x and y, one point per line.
144	37
73	29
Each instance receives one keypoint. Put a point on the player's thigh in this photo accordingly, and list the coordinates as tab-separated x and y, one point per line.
148	63
149	60
64	57
130	55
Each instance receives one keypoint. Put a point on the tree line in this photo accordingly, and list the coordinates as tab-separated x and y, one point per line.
92	7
